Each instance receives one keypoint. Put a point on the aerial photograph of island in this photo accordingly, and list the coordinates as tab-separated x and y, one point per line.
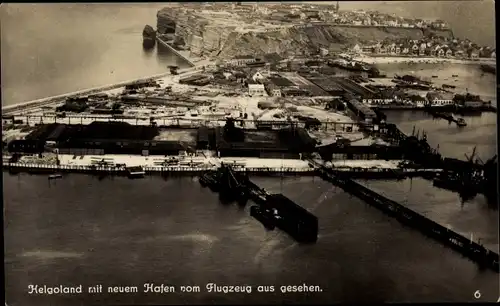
249	153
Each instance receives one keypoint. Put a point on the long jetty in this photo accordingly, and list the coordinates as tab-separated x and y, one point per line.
164	43
467	247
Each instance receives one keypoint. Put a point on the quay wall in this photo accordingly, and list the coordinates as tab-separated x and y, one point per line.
42	168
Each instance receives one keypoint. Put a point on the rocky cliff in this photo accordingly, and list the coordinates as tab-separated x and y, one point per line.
205	38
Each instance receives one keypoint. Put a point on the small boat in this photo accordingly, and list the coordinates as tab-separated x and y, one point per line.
461	122
55	176
136	172
455	76
264	216
209	180
435	76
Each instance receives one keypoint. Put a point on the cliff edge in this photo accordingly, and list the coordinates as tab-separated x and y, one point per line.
223	37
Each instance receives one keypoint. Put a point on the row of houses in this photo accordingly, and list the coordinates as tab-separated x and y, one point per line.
265	60
374	18
432	98
424	49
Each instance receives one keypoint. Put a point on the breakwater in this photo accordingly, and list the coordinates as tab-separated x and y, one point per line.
183	56
467	247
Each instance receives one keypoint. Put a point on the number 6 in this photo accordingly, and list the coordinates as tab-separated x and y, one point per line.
477	294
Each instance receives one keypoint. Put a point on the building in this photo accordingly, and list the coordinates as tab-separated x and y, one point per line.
282	143
328	85
459	53
256	90
273	90
7	120
26	146
439	99
258	77
241	60
414	49
362	111
473	53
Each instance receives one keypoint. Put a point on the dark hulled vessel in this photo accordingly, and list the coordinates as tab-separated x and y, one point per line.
264	216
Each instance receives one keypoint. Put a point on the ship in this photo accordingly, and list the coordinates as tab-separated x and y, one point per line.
148	37
55	176
210	180
461	122
455	183
135	172
349	65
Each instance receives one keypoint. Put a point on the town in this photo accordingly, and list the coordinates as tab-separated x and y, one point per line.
256	102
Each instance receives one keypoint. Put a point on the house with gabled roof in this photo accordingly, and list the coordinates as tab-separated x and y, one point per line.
397	50
422	48
392	48
440	52
405	49
459	53
435	50
414	49
493	54
383	49
472	53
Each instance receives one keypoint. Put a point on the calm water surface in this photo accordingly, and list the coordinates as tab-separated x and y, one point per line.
52	49
80	230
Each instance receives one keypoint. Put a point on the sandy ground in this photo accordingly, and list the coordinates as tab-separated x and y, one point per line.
152	161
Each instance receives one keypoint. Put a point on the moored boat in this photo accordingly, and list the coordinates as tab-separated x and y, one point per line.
264	216
136	172
461	122
55	176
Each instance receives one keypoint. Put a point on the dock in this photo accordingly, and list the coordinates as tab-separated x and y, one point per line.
474	251
123	170
273	210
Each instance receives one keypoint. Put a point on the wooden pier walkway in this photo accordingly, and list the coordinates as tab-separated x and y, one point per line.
467	247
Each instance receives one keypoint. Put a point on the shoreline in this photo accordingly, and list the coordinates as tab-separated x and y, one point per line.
48	100
197	67
420	60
